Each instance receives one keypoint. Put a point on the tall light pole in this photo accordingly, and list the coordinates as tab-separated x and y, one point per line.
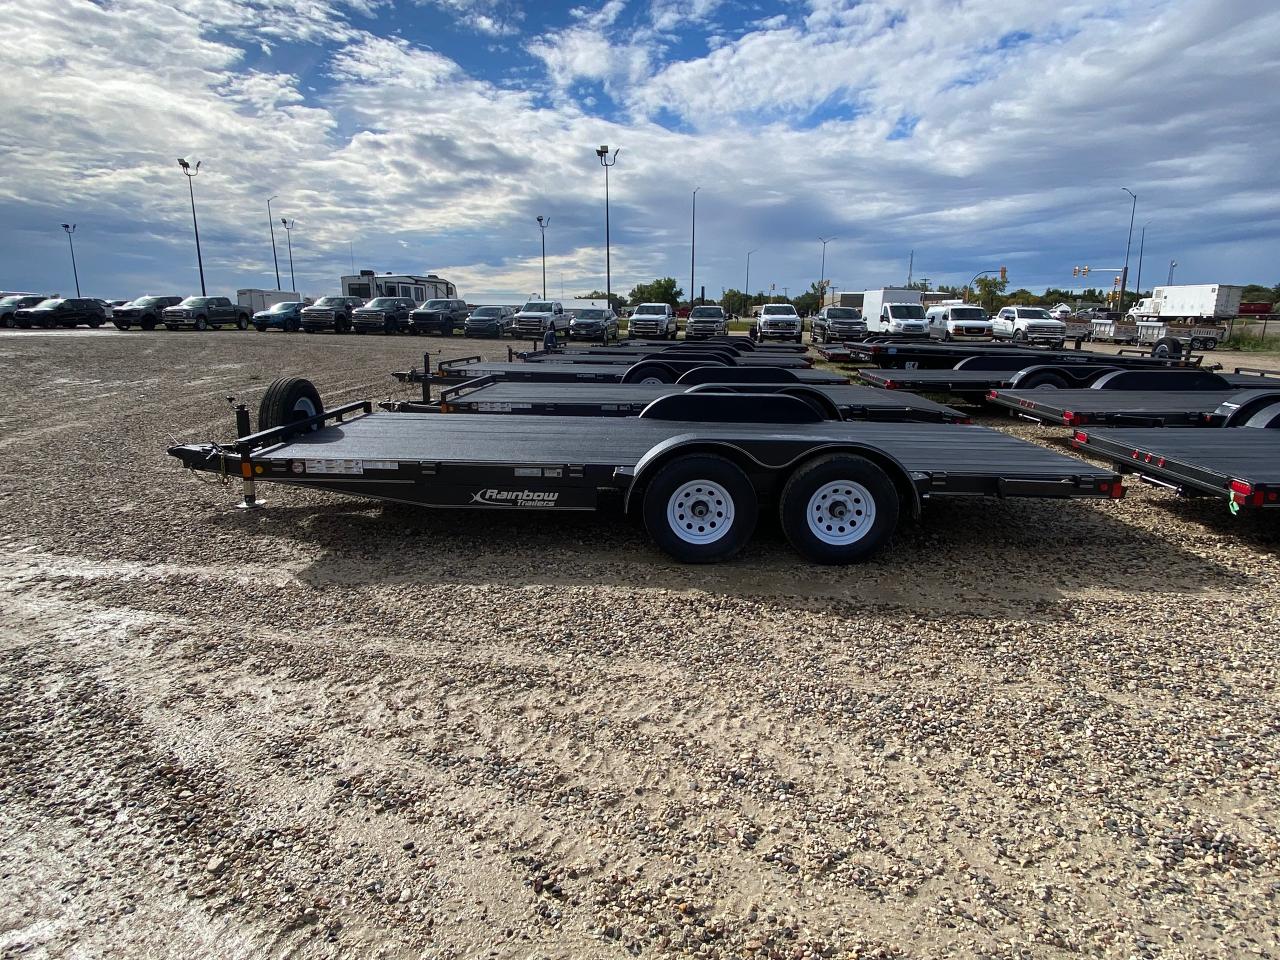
1124	274
822	273
607	161
747	291
542	228
1172	264
191	173
71	228
1142	246
693	244
272	224
288	229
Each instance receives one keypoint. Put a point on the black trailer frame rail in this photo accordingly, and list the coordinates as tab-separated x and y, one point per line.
1136	408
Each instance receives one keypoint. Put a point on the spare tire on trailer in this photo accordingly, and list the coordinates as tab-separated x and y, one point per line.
1167	348
289	400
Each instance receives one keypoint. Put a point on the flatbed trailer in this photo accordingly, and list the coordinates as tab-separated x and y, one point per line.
765	359
737	344
697	484
835	402
1241	466
647	370
1139	408
934	355
976	377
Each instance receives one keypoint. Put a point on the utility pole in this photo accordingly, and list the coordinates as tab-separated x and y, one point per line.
747	292
1172	264
1124	274
71	228
911	267
191	173
288	229
822	273
693	244
543	222
1142	245
607	161
272	224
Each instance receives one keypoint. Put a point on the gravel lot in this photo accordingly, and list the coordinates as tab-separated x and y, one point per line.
336	729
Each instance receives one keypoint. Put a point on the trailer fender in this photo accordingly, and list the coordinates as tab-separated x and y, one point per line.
686	444
1161	378
1243	409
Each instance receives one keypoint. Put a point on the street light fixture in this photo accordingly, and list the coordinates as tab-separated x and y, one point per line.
607	161
693	244
191	173
542	228
1142	246
1124	275
288	229
1172	264
272	224
822	273
71	228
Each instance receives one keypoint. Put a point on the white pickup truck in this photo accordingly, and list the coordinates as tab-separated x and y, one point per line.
536	317
1028	325
778	321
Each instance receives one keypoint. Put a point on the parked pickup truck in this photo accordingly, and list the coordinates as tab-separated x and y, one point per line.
1028	325
706	321
145	312
330	313
838	323
538	316
656	320
204	312
388	314
778	321
439	316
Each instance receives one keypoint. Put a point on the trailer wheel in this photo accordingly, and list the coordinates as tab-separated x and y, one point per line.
288	400
649	373
1044	381
700	508
838	509
1167	348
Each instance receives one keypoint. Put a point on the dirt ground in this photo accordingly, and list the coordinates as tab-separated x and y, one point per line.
336	729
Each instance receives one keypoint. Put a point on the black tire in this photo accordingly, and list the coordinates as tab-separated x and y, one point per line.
1019	335
242	322
201	323
309	330
287	400
260	327
824	495
651	373
171	326
95	324
148	324
1059	344
1210	343
1167	348
1044	381
122	324
677	496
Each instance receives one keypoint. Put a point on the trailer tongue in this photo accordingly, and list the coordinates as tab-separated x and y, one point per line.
697	478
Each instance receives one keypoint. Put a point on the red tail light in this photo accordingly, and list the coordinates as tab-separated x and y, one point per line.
1242	487
1080	437
1069	417
1117	491
991	394
890	385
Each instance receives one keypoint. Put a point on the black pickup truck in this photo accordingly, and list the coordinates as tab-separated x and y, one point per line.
388	314
439	316
204	312
145	312
330	313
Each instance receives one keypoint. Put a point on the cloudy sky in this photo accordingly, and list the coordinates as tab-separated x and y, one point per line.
427	135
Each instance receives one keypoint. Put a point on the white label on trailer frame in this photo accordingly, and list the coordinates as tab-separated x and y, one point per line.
381	464
335	466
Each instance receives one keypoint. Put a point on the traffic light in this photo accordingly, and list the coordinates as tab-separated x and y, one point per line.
1116	281
1004	275
1085	271
1075	271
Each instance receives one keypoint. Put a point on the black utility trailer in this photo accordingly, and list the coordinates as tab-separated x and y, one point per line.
647	370
1241	466
679	352
834	402
742	345
932	355
697	482
976	377
1228	407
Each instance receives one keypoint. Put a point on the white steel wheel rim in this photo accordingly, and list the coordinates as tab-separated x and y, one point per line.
304	409
651	381
700	512
841	512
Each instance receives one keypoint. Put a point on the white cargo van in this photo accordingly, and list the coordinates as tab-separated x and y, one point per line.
958	321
